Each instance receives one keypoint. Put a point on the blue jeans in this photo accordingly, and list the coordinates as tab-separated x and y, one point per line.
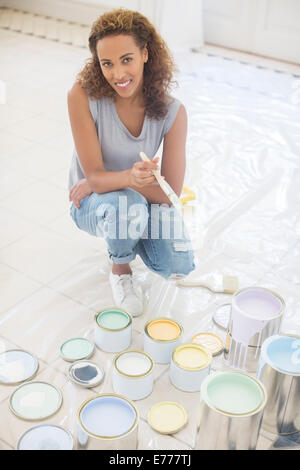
131	226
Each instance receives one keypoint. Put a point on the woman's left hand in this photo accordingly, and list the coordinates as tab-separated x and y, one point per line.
79	191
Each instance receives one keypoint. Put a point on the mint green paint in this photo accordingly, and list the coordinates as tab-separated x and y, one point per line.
233	393
113	319
76	349
36	400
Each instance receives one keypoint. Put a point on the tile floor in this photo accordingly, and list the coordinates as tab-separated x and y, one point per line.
53	278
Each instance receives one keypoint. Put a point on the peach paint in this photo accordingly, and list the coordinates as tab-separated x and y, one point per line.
163	330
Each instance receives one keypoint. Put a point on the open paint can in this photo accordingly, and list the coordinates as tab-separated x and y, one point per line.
46	437
161	336
210	341
107	422
279	371
113	329
231	410
133	374
256	314
190	365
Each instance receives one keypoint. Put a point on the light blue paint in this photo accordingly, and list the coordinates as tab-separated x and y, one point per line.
108	416
283	352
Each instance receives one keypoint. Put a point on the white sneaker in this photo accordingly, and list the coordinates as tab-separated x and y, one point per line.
127	294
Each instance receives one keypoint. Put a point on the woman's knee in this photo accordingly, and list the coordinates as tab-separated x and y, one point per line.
126	210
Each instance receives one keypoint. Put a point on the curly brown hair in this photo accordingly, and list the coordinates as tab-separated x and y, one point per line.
158	71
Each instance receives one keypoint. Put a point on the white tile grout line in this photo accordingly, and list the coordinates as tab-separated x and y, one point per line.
44	27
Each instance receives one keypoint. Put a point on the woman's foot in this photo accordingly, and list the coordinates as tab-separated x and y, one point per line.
127	293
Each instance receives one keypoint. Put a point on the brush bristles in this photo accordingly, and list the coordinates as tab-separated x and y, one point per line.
230	284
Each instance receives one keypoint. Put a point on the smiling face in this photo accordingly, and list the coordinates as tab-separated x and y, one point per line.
122	64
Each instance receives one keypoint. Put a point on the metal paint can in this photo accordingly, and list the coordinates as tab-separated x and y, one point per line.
231	410
133	374
190	365
256	314
107	422
161	336
113	329
279	371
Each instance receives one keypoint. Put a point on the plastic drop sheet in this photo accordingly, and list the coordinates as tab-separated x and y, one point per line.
243	164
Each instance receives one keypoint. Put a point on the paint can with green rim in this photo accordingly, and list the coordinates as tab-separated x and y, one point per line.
113	329
231	410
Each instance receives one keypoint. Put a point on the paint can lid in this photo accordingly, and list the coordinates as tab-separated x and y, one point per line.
34	401
167	417
76	349
16	366
210	341
221	316
46	437
86	374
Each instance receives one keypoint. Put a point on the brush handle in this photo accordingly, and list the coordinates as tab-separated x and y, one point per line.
174	199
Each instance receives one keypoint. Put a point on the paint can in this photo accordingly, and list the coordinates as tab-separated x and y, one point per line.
231	410
113	329
107	422
46	437
133	374
256	314
210	341
279	371
190	365
161	336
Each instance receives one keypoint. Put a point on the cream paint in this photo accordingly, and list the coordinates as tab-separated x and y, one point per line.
191	357
163	330
167	417
133	363
251	311
210	341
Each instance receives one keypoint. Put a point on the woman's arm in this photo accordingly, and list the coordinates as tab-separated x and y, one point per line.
173	161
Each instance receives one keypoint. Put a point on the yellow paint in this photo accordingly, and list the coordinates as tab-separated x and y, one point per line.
190	195
163	330
167	417
190	356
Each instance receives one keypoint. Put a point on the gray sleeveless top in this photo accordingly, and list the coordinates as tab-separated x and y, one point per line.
120	149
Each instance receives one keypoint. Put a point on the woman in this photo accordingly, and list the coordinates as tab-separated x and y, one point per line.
118	107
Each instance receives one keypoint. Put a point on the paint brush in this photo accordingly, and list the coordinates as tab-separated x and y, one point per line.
216	283
174	199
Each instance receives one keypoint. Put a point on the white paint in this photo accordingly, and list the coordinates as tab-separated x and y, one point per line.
133	375
133	363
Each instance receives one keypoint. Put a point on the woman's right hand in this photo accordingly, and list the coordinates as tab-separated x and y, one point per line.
140	175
